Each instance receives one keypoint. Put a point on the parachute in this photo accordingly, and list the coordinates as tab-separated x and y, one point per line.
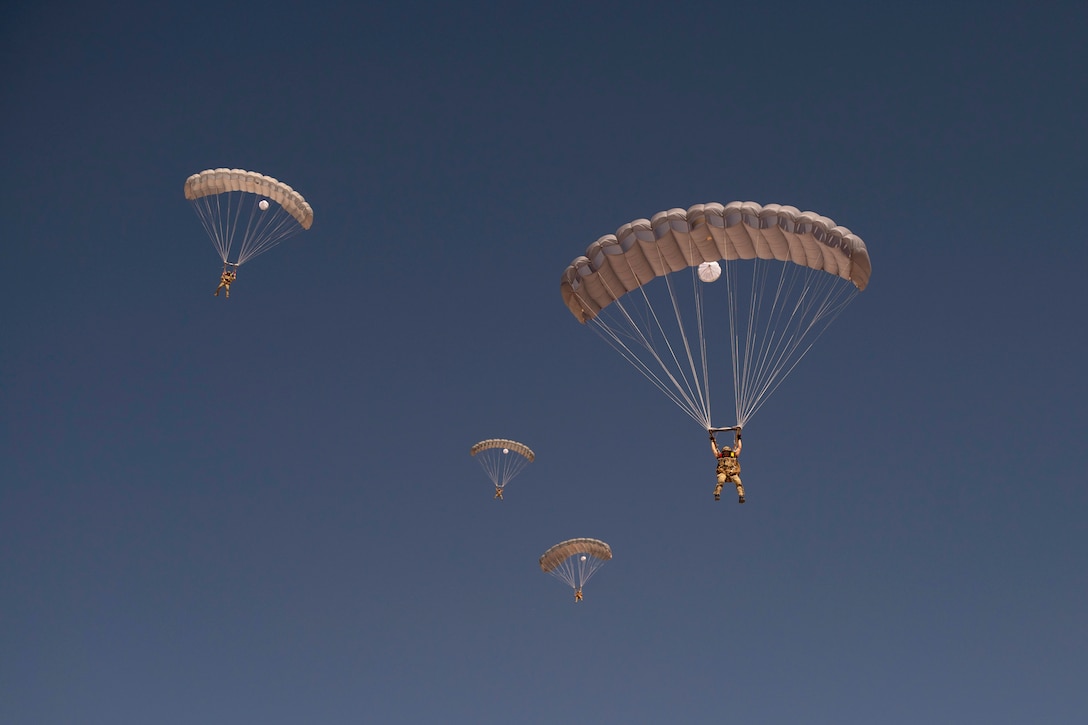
664	292
502	459
574	561
254	210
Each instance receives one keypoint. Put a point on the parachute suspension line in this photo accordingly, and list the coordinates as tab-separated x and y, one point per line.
689	394
587	568
831	303
779	344
501	467
265	230
753	375
699	311
612	337
250	234
575	571
752	356
490	467
213	225
804	304
730	284
693	391
698	388
229	221
221	215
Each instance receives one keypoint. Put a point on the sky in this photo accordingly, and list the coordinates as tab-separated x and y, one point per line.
264	509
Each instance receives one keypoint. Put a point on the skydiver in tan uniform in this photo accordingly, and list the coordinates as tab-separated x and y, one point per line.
225	279
728	463
577	595
498	492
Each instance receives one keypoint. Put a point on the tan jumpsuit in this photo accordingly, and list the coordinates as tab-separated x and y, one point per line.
224	282
728	472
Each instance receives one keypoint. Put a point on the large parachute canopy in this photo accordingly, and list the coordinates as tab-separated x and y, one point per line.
574	561
665	292
502	459
246	213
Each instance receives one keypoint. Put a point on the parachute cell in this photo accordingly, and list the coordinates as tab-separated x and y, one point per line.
652	290
246	213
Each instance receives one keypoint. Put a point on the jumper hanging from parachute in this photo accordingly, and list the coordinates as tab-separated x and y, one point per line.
245	213
664	292
502	459
574	561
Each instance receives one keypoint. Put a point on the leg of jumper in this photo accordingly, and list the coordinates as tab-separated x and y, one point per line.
740	488
720	485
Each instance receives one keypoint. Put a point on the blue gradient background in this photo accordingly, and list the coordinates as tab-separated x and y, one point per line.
264	510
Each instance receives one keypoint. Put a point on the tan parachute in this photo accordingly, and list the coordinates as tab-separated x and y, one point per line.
574	561
502	459
234	205
647	289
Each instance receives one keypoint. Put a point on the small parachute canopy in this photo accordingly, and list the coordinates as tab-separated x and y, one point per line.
235	207
512	446
564	550
502	459
574	561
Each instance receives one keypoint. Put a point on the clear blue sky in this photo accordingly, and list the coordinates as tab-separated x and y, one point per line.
264	510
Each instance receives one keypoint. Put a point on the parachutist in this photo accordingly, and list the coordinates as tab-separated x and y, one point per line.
728	464
574	561
502	459
225	280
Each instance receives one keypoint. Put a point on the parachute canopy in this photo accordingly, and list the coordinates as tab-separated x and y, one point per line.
652	290
574	561
676	239
502	459
555	556
253	210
